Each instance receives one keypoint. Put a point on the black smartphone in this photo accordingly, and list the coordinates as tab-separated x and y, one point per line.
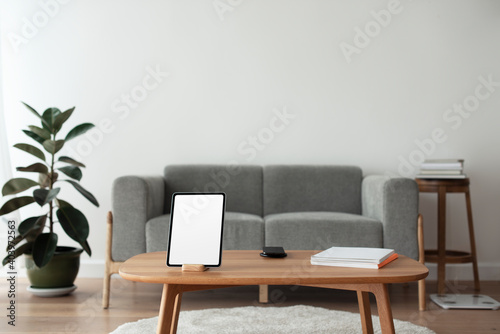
273	252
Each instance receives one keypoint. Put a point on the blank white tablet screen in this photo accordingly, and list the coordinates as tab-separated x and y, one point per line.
196	229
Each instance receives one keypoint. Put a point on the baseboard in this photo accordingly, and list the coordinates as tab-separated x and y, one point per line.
94	268
89	268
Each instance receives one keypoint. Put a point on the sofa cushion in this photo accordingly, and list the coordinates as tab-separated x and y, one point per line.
321	230
241	231
312	188
242	184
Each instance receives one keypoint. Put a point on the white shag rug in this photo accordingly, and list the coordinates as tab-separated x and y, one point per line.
259	320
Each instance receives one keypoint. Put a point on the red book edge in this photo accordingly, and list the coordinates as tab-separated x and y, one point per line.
388	260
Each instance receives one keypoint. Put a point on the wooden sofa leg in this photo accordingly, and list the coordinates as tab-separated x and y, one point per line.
111	267
263	294
421	258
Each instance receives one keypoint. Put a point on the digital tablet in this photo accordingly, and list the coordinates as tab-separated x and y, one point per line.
196	226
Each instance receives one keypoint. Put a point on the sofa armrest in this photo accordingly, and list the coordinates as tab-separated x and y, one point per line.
135	200
393	201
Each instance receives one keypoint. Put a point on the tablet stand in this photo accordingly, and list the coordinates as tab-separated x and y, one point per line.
194	267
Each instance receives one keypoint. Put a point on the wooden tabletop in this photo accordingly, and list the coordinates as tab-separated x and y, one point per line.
249	268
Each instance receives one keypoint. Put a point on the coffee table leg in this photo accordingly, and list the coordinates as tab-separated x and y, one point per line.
365	312
384	308
169	309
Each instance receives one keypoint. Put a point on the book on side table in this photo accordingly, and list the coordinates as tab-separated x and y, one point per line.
355	257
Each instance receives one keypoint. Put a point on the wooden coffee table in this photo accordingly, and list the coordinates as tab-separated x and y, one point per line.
241	268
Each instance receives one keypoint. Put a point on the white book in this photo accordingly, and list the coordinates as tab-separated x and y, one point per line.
443	164
443	171
353	254
356	264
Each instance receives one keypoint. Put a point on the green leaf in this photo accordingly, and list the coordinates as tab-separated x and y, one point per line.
60	203
78	130
31	150
40	132
84	192
34	136
85	245
34	112
29	229
72	171
15	204
29	223
53	146
37	168
23	249
71	161
60	119
37	229
74	223
44	196
44	248
16	185
50	116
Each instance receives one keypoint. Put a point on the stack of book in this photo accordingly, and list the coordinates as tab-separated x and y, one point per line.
354	257
442	169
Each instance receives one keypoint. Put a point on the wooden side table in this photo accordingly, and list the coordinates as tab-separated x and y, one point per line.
442	256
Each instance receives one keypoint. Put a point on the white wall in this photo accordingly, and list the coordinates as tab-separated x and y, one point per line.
227	67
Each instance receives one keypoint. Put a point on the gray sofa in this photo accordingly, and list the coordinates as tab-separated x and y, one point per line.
298	207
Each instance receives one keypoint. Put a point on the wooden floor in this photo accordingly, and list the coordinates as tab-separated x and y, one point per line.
81	312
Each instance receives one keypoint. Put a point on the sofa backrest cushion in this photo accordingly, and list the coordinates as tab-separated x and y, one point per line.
289	188
242	184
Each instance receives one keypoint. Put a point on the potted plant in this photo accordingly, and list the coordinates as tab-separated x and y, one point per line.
49	266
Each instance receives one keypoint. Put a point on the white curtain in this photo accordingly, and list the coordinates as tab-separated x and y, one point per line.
5	166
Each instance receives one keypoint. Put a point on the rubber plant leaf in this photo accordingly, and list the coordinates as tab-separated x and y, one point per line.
34	136
75	225
84	192
71	161
72	171
52	146
30	231
45	196
35	112
43	133
78	130
31	150
23	249
15	203
17	185
44	248
61	118
50	116
30	223
36	168
60	203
